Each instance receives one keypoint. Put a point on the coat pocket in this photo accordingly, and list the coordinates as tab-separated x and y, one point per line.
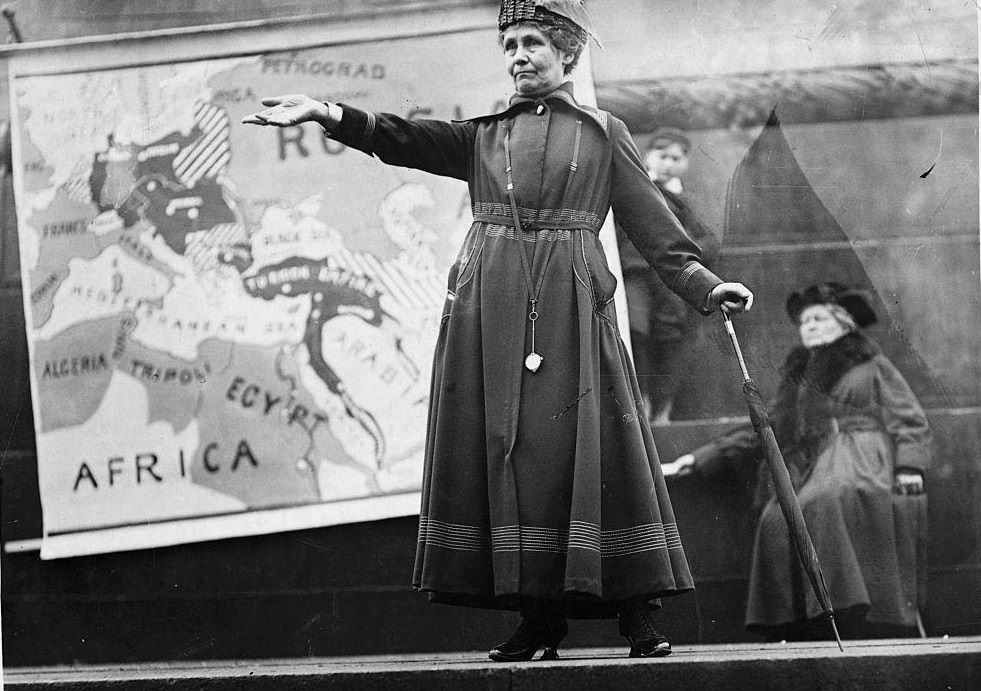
602	282
466	263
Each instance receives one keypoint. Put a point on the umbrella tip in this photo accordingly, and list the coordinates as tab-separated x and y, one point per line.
834	627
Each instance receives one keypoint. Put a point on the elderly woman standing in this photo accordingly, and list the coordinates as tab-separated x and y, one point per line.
852	433
542	489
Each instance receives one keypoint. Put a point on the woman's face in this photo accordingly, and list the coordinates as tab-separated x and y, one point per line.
535	65
818	326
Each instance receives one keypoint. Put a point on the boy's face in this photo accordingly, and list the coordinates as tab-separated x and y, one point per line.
667	160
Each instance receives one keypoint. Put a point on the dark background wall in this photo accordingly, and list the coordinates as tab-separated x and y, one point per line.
343	590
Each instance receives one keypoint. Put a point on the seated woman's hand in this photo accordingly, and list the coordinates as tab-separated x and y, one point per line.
681	466
908	482
730	298
287	111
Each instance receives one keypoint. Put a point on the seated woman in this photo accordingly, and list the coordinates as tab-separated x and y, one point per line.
851	432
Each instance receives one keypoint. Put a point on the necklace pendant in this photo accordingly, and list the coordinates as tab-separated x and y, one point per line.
533	362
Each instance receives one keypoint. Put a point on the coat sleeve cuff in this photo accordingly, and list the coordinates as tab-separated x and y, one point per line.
355	129
912	457
693	283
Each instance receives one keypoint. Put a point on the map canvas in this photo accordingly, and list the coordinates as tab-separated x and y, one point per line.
230	327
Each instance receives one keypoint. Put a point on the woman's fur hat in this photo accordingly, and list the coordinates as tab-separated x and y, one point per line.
856	302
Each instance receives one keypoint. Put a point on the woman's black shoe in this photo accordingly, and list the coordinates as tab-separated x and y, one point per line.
533	633
637	626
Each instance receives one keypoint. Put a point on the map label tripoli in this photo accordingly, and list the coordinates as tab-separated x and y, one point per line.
184	375
228	334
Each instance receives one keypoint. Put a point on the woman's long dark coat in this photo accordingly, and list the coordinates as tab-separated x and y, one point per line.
846	420
545	484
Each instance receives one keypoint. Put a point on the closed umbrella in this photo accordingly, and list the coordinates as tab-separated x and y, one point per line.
783	487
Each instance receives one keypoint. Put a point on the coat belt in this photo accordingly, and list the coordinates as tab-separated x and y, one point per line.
529	224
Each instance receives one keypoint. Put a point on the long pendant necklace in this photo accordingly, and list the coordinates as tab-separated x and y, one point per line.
534	360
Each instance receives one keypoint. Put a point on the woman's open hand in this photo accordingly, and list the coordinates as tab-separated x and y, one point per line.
730	298
287	111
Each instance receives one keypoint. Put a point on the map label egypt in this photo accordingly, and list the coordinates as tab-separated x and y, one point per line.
253	396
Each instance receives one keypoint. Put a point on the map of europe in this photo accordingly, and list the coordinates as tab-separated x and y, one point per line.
220	318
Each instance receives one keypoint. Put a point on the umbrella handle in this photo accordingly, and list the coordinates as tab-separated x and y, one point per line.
735	345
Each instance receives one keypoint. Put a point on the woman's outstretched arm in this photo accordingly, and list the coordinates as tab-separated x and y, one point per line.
434	146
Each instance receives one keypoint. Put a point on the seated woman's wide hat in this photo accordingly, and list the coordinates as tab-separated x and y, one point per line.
856	302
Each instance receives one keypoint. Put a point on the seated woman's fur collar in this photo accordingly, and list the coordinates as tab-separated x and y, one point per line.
823	366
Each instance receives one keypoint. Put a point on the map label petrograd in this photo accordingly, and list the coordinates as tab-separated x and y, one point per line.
294	64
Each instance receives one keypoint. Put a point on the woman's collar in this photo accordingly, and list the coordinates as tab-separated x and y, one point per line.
564	93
